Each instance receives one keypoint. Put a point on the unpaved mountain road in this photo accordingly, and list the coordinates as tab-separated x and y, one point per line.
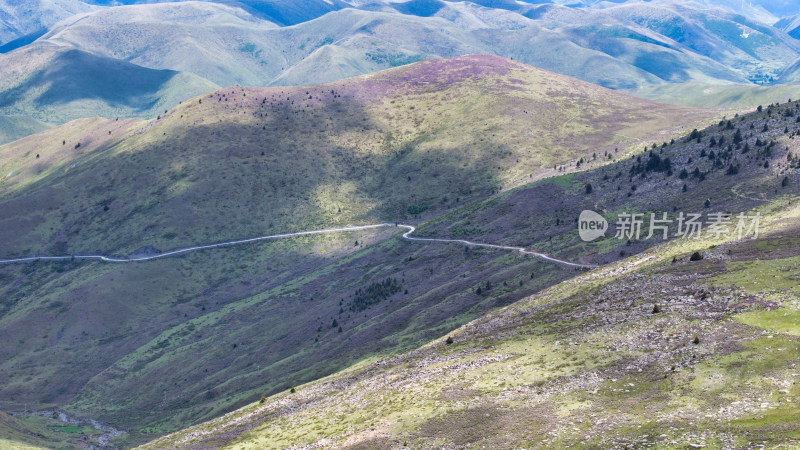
183	251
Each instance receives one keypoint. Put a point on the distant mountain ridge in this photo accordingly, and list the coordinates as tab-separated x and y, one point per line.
45	84
791	25
624	45
21	18
621	46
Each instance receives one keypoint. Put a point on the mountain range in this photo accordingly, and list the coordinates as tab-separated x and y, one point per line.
621	46
253	161
363	223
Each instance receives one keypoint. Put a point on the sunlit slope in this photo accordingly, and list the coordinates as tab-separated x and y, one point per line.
646	335
15	127
653	350
216	42
718	96
228	46
432	134
218	329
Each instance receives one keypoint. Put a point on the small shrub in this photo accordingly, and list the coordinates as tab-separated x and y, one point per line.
263	399
417	209
696	340
656	309
696	256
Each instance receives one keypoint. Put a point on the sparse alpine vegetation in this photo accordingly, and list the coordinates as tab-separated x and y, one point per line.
242	162
587	363
676	337
677	318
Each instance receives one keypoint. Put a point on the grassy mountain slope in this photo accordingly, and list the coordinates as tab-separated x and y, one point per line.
791	25
219	43
654	350
236	48
718	96
377	132
223	327
18	19
282	12
640	44
743	45
791	75
584	364
621	46
16	127
52	84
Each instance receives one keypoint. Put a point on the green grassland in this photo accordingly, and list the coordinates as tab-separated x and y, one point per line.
45	85
718	96
595	346
42	431
16	127
138	60
249	161
216	330
586	363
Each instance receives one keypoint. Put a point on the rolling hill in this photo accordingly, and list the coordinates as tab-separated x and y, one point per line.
642	44
19	19
17	127
235	48
791	25
690	343
791	75
216	42
750	47
45	84
216	330
718	96
282	12
624	46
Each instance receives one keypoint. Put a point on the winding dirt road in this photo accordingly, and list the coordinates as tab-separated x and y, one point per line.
183	251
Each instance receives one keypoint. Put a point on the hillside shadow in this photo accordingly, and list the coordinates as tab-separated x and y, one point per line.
420	8
289	169
22	41
75	75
